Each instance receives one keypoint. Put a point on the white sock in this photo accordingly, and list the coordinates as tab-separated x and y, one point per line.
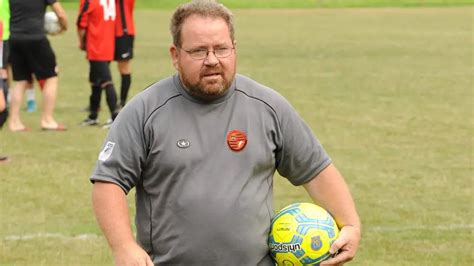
30	94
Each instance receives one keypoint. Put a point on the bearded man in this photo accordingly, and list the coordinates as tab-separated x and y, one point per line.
201	148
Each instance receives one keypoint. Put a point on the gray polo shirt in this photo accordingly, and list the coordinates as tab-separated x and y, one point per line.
203	172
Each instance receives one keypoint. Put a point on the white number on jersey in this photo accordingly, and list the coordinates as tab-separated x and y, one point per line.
109	9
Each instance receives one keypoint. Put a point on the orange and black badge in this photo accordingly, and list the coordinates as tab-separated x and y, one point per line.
236	140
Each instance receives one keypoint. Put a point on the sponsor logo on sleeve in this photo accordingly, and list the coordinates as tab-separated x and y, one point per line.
107	151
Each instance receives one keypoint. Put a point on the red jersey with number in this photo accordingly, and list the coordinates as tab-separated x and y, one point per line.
124	23
97	17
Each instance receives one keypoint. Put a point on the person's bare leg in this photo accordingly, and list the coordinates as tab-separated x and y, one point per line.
14	122
124	67
3	103
49	100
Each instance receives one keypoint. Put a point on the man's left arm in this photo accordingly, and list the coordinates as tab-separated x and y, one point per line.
331	192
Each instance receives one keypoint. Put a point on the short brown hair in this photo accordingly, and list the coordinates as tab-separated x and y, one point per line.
204	8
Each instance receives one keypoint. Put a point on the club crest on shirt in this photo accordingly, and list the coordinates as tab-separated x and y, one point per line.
107	151
237	140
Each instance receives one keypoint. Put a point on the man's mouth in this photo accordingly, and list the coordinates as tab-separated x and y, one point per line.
211	74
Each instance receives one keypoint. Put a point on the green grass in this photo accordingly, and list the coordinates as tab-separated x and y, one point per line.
171	4
389	93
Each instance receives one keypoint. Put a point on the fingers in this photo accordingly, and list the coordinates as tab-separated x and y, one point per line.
149	262
132	256
345	247
339	259
337	245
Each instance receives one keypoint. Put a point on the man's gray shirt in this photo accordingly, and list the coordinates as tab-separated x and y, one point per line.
203	171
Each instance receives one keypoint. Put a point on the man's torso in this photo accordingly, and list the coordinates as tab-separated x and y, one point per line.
204	184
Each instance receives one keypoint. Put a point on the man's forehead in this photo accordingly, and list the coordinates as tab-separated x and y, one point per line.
194	19
197	27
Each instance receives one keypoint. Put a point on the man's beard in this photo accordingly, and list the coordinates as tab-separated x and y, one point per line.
208	89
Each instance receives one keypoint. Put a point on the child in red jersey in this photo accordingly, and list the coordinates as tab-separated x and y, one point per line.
96	31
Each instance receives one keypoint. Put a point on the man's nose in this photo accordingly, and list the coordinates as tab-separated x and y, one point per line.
211	59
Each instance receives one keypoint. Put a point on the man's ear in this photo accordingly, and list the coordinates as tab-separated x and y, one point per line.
174	56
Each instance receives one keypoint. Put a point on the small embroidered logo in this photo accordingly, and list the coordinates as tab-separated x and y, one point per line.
236	140
183	143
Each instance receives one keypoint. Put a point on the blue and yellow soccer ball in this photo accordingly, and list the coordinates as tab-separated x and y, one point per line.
301	234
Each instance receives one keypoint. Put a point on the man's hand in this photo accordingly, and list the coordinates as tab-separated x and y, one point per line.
345	245
132	255
111	210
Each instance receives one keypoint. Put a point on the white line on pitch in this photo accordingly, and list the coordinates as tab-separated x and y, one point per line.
49	235
368	228
447	227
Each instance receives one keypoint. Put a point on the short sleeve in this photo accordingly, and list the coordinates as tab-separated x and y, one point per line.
300	156
123	152
83	17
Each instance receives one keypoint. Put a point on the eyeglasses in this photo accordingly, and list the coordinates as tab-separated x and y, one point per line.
200	54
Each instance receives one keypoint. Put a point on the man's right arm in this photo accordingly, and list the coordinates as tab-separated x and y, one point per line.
111	211
62	16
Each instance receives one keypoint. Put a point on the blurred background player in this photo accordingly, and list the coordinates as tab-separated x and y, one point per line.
124	38
3	105
30	92
3	98
5	32
96	32
31	54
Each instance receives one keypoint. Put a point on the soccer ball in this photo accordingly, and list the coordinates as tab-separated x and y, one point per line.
51	23
301	234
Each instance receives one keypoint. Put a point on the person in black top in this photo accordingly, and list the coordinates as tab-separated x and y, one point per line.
31	53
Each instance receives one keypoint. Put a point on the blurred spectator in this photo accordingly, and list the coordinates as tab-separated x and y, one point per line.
31	54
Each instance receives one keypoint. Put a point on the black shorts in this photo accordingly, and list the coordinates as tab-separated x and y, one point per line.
124	47
5	54
29	57
99	72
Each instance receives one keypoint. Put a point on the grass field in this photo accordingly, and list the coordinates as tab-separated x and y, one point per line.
389	92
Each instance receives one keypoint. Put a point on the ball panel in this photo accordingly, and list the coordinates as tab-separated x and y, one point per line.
51	23
301	234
